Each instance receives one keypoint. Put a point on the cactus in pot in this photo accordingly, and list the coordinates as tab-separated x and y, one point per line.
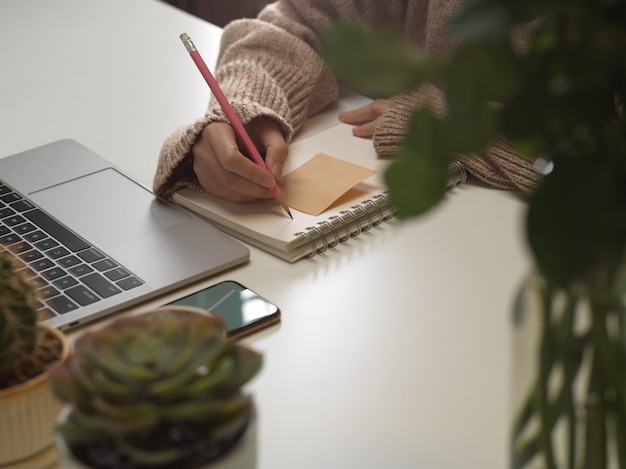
158	389
18	322
27	347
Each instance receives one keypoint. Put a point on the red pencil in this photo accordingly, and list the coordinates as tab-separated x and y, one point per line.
240	130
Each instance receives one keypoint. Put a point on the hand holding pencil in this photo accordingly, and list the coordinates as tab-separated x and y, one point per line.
236	124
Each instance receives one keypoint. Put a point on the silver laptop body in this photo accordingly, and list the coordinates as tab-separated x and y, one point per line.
119	244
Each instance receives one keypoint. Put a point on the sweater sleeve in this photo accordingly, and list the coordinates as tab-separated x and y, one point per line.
499	166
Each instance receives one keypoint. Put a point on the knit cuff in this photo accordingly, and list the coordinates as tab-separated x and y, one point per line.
175	165
393	125
503	168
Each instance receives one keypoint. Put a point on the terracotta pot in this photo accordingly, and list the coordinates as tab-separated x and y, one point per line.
28	412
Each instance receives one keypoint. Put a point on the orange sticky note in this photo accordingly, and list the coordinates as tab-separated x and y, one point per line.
318	183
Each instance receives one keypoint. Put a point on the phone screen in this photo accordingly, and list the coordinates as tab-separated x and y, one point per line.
243	310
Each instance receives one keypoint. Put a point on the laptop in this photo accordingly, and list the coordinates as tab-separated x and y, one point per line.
94	241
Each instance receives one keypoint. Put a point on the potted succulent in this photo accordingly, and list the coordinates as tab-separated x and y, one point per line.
559	97
27	346
161	389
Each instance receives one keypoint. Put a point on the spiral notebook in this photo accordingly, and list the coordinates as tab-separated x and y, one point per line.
264	224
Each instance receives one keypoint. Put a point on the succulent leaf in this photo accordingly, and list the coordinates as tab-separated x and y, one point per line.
247	364
203	360
208	410
216	374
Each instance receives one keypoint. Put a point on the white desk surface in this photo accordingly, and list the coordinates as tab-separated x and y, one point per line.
394	351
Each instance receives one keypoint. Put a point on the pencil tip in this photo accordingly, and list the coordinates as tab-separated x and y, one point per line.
283	203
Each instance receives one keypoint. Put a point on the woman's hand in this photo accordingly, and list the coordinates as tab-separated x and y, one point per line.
224	171
365	118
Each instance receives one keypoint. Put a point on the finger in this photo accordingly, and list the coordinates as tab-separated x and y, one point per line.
271	142
276	152
367	113
358	116
365	130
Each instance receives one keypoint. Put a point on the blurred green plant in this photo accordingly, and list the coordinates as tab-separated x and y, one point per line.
560	98
156	386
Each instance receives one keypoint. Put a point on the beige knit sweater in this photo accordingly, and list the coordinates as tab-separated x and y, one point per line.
271	66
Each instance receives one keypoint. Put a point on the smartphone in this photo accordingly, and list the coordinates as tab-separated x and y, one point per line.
243	310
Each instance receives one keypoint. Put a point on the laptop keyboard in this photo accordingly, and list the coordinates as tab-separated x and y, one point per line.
67	271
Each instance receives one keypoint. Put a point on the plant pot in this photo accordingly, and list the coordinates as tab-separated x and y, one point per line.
242	456
27	414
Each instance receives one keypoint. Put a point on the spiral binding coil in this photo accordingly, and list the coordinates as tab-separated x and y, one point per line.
350	223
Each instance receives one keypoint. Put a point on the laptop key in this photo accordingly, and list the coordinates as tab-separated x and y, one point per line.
100	285
129	282
57	252
30	256
48	292
45	244
104	264
35	236
82	295
80	270
22	205
24	228
69	261
117	274
53	273
42	264
91	255
61	304
65	282
22	246
6	212
10	197
13	220
9	239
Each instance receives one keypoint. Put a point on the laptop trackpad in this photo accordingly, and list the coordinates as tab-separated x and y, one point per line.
107	208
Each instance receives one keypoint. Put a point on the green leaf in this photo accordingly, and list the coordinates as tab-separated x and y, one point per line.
417	180
207	411
572	231
380	63
475	79
218	373
129	412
